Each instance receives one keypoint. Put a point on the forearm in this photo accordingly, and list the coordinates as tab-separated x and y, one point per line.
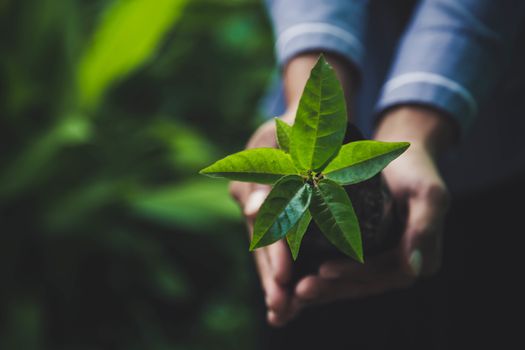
297	71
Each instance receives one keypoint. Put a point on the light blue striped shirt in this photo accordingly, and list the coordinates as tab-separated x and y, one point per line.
462	57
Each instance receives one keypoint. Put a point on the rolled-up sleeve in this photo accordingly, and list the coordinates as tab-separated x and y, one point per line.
313	25
451	56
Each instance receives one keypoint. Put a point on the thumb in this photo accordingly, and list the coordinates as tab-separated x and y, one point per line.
423	234
255	200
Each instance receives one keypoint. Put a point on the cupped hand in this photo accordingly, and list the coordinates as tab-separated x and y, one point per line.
274	262
418	188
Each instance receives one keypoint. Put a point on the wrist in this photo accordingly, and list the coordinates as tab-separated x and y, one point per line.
423	127
297	71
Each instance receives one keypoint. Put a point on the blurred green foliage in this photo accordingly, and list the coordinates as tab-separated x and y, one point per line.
108	238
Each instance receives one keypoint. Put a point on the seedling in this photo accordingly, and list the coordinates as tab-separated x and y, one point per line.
309	170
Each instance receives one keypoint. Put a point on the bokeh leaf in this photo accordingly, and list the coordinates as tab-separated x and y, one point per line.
320	124
261	165
34	163
283	132
197	204
188	149
296	234
129	33
358	161
333	212
282	209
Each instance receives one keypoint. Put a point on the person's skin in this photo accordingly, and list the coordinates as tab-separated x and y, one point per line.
415	184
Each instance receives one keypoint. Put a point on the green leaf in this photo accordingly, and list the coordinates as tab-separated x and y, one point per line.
282	209
128	35
320	124
333	212
283	131
296	234
261	165
199	205
360	160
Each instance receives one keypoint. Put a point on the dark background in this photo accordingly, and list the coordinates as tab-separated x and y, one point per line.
108	237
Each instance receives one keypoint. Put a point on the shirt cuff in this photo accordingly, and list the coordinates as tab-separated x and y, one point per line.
430	89
318	36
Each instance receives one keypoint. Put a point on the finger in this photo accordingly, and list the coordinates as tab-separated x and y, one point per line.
314	290
421	242
274	267
281	262
345	268
265	271
317	290
294	309
255	199
275	295
239	191
274	319
281	266
310	288
279	319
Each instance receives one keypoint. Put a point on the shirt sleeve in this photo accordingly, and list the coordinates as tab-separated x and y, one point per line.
451	55
310	25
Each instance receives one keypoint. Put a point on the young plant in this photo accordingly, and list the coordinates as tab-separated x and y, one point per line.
309	170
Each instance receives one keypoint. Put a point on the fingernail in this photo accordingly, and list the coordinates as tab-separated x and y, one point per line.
416	261
254	202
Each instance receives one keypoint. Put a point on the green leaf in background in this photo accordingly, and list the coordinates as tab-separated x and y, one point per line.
34	163
296	234
321	120
261	165
358	161
198	205
283	132
129	33
189	150
282	209
333	212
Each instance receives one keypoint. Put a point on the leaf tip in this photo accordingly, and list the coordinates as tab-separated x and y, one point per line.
295	254
254	244
205	171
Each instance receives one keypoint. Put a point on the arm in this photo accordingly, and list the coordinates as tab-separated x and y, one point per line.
305	28
449	61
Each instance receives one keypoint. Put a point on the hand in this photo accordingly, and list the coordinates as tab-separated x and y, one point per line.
416	186
273	262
